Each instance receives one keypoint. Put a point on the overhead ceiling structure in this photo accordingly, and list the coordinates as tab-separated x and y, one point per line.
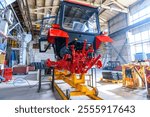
109	8
37	9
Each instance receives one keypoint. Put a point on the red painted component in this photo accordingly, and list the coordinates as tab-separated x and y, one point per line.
57	26
7	77
99	64
118	68
31	68
7	74
79	62
55	32
102	38
80	3
20	69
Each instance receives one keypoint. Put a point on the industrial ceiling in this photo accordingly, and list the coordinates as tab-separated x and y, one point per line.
35	10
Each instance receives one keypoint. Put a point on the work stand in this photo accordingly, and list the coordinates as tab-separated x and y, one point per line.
78	84
93	79
49	81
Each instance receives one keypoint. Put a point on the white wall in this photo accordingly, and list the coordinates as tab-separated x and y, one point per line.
43	56
115	24
36	56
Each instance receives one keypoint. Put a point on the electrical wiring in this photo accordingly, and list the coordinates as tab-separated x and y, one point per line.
27	81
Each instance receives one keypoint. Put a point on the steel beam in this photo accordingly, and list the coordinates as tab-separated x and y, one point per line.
124	30
16	17
13	27
41	8
107	7
29	17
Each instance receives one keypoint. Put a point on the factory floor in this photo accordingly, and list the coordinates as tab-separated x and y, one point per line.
24	87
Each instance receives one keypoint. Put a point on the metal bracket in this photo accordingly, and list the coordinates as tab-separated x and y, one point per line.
40	43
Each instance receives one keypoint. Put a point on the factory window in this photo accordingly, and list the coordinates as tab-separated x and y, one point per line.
139	42
139	16
145	35
146	47
139	37
138	48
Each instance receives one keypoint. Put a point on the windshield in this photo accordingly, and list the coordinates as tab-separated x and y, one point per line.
80	19
46	24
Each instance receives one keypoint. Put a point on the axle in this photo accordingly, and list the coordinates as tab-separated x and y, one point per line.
79	61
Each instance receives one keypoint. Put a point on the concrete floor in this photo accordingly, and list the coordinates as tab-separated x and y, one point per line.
109	91
24	87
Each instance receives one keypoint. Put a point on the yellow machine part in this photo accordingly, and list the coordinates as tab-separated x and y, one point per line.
148	75
136	80
38	26
77	82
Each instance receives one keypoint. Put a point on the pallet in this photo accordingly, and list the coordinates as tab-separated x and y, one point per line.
111	81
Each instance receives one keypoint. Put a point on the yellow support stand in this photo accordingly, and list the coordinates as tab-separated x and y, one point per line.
77	82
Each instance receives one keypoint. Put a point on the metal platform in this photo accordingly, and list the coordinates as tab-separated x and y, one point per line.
61	87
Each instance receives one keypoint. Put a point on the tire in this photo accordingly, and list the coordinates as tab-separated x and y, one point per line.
96	91
68	94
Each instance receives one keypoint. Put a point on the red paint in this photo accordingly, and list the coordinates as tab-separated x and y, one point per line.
7	74
54	32
20	69
102	38
80	3
57	26
118	68
78	62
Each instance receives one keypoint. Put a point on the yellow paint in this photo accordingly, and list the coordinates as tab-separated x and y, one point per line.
77	82
60	92
136	81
